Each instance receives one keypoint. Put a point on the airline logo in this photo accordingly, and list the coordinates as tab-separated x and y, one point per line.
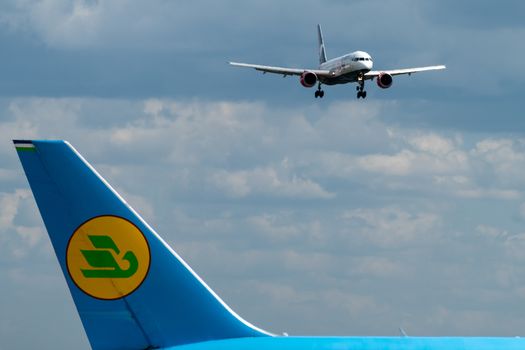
108	257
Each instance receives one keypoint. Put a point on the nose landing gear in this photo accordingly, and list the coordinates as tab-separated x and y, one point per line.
361	87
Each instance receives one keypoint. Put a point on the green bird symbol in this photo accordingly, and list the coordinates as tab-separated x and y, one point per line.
102	259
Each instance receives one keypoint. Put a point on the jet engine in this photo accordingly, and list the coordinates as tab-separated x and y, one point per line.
384	80
308	79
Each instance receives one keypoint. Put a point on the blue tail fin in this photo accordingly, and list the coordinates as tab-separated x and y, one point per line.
131	289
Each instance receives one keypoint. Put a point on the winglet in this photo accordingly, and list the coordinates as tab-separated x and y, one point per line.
402	331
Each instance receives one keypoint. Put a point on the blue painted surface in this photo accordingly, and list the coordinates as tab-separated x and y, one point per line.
360	343
171	307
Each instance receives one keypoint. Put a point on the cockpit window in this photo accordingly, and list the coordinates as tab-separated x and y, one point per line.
355	59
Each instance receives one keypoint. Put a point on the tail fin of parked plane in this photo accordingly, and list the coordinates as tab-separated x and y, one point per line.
131	289
322	50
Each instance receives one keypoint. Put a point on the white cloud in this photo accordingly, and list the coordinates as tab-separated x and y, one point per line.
378	266
9	203
489	193
30	118
281	155
267	181
515	247
139	203
522	210
351	303
399	164
188	133
17	239
505	157
433	144
58	22
500	152
421	154
283	228
391	226
326	199
492	232
450	206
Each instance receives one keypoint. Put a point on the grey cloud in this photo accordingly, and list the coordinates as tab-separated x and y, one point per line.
406	209
481	15
390	226
174	49
268	180
385	246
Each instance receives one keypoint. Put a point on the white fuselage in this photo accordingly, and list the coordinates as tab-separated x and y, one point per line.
346	68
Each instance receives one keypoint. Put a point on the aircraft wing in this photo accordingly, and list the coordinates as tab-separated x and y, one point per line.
374	73
282	70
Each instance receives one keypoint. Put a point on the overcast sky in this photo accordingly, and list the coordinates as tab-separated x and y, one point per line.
313	217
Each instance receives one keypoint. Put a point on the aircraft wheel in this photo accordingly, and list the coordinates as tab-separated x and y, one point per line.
321	94
363	94
316	94
358	94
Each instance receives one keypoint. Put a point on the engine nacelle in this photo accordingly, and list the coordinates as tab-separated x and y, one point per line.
308	79
384	80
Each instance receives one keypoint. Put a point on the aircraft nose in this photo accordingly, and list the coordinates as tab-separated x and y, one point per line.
367	65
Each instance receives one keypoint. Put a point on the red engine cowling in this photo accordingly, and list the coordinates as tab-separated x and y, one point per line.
308	79
384	80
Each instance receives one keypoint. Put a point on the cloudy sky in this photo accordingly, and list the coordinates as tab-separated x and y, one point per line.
327	217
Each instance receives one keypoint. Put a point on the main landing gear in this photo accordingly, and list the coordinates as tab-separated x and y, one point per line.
319	93
361	87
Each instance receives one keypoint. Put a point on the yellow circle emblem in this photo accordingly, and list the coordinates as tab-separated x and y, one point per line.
108	257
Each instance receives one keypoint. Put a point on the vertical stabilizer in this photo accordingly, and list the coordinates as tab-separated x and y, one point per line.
322	50
131	290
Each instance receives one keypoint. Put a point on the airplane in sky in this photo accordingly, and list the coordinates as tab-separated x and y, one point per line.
133	291
355	67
